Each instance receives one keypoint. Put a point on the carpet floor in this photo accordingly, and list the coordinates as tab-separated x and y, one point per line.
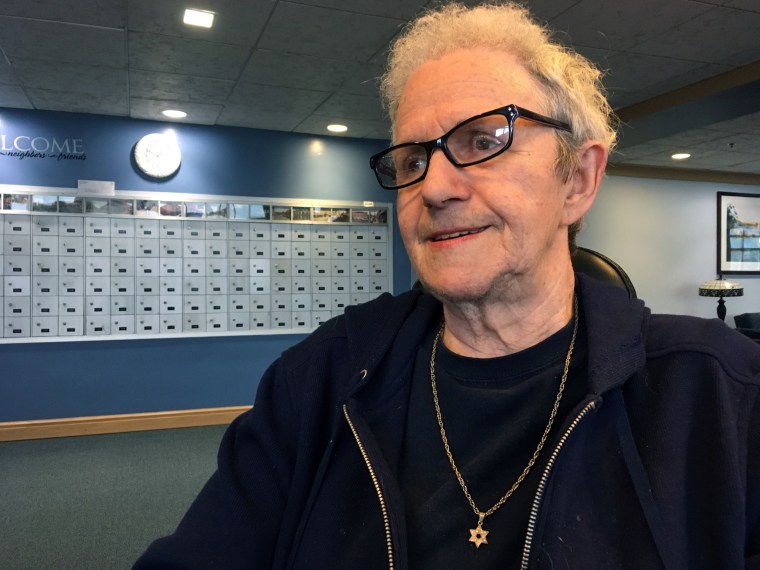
98	501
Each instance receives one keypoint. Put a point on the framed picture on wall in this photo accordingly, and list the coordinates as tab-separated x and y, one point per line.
738	233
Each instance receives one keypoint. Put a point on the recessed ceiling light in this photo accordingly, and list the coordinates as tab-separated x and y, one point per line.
335	128
174	114
201	18
680	156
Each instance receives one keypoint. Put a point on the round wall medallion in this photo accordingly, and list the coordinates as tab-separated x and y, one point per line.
157	155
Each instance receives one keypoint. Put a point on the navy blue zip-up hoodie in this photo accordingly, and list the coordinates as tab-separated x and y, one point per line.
658	467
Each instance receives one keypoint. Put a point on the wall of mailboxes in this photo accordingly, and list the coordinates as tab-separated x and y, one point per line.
103	276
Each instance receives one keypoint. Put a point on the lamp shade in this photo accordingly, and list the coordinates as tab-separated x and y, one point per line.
720	288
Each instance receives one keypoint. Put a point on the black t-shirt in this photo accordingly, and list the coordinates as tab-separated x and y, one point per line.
494	411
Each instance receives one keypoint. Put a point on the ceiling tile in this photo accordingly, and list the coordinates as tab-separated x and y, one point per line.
745	124
658	160
107	13
380	59
278	99
363	80
634	71
236	21
7	77
186	57
632	77
547	10
358	128
733	142
287	106
171	86
716	2
752	167
68	43
255	118
749	5
720	159
380	132
197	113
597	23
639	151
72	102
676	81
304	71
719	142
13	97
691	138
400	9
544	11
70	77
353	107
704	38
715	162
327	33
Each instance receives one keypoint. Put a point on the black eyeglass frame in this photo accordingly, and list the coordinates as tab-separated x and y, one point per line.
511	112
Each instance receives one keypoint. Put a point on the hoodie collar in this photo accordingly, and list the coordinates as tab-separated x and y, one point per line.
616	327
383	336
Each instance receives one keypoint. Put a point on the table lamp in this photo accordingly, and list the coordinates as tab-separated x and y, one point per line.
721	288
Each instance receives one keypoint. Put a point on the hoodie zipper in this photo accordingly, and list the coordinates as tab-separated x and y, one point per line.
542	484
378	489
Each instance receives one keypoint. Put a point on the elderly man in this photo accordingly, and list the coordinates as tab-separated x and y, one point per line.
513	414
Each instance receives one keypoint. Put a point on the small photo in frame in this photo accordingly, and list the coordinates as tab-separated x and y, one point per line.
370	216
216	210
321	214
41	203
282	213
341	215
124	207
195	209
260	212
16	202
378	216
70	204
147	208
738	233
360	216
239	211
301	214
170	209
97	205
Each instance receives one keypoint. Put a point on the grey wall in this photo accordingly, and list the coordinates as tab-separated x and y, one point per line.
663	232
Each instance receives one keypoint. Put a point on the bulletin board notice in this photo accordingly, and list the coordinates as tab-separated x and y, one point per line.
84	266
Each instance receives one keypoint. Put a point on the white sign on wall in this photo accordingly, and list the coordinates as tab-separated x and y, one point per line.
26	146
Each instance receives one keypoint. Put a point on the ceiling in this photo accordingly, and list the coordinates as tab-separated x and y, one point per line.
683	75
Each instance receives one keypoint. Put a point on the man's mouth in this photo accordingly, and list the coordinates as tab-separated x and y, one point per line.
457	234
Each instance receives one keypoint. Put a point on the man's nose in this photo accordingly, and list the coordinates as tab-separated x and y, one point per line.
443	181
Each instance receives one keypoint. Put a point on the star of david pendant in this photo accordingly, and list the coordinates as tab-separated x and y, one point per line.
478	535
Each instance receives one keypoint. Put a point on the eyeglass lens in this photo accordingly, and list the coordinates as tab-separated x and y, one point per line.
471	142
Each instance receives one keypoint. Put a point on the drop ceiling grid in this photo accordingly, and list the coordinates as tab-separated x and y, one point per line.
295	65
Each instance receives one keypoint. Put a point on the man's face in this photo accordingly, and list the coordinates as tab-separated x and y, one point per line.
474	232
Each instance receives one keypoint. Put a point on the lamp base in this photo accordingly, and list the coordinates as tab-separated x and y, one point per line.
721	309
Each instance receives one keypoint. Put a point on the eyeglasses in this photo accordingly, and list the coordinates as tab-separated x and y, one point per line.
473	141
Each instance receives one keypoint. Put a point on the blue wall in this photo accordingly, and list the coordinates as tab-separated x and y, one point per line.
66	379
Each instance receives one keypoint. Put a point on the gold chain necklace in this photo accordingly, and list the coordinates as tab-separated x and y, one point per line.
478	535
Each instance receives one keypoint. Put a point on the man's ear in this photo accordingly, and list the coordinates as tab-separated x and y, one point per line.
584	183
